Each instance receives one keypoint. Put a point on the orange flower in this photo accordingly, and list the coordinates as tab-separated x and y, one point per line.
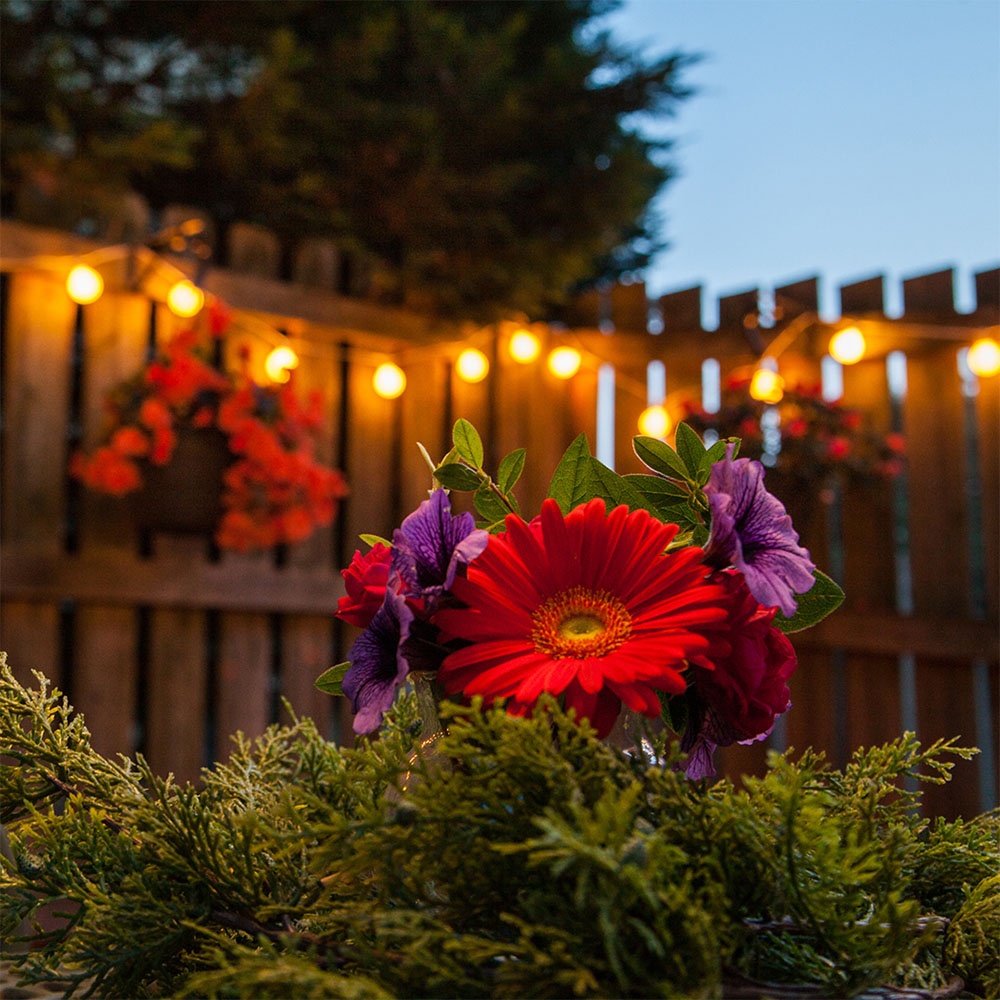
164	442
154	414
130	441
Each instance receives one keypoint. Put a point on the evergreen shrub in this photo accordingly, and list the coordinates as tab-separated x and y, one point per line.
511	857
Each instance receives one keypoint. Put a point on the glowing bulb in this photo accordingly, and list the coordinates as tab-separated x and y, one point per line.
389	381
847	346
654	421
524	347
767	386
472	365
185	299
984	357
564	362
279	363
84	285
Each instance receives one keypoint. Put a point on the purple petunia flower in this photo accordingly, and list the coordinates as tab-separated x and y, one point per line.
378	666
432	543
752	532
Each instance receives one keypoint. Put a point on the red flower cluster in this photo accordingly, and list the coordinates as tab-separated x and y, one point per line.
817	435
274	491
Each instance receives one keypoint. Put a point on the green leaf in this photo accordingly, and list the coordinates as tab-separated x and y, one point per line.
456	476
374	540
468	442
510	470
718	451
330	681
572	476
657	486
665	499
674	710
489	506
615	489
824	597
659	456
690	448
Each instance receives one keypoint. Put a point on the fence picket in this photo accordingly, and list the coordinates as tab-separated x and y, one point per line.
105	676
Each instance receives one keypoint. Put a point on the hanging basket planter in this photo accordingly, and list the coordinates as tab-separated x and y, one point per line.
184	496
180	424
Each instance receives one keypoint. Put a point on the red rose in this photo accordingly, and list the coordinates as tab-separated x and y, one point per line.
365	580
748	688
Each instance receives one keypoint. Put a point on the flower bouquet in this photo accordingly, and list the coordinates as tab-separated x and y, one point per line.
666	597
273	488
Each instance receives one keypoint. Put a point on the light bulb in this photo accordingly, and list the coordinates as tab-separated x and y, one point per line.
84	285
847	346
524	347
389	381
472	365
185	299
564	362
654	421
984	357
279	363
767	386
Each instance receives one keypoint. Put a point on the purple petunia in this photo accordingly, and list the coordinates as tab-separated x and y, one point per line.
427	551
752	532
378	666
432	543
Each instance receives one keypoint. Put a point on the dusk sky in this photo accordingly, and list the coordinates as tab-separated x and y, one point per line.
841	138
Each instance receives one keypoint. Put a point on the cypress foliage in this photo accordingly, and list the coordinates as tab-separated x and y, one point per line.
509	857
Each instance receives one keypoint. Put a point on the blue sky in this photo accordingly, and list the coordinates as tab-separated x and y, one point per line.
841	138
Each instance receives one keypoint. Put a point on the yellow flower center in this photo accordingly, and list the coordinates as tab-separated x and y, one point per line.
580	622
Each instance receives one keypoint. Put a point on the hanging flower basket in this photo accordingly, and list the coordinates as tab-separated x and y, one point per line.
185	495
201	450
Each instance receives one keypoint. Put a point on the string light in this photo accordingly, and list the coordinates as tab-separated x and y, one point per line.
185	299
767	386
847	346
564	362
524	347
279	363
654	421
389	381
472	365
984	357
84	285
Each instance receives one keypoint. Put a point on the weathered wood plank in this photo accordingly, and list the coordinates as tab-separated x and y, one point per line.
869	544
176	712
306	651
242	678
105	680
29	633
938	516
39	333
987	410
107	576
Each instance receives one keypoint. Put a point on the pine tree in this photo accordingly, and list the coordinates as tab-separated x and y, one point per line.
486	154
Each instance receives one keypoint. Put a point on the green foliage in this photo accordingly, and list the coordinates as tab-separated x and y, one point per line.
505	857
462	470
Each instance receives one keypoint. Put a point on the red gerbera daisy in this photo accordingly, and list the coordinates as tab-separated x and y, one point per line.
586	606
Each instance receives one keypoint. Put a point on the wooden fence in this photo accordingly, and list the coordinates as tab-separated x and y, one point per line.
167	651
